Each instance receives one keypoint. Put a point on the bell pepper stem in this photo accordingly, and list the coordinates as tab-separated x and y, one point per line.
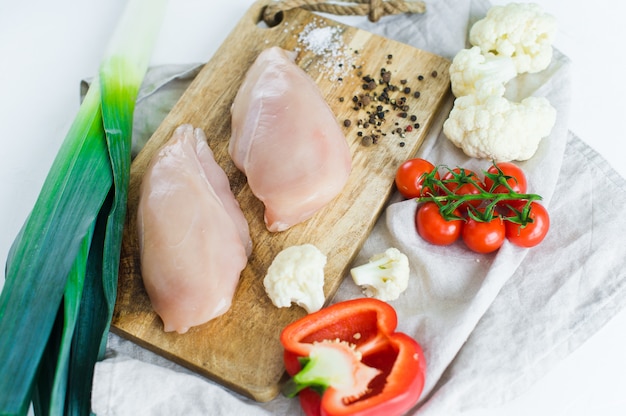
332	364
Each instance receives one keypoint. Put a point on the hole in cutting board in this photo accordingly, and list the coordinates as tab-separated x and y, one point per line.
278	18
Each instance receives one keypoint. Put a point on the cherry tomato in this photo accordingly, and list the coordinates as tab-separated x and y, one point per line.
435	229
484	237
409	177
534	232
517	180
464	186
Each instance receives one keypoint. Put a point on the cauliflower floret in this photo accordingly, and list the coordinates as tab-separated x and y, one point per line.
471	72
297	275
521	31
499	129
385	276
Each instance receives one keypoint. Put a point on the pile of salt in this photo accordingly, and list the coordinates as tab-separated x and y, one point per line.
326	43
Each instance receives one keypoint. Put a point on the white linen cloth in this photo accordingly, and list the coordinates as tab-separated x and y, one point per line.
490	325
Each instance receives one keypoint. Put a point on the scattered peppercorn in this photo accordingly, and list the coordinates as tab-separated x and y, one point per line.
380	96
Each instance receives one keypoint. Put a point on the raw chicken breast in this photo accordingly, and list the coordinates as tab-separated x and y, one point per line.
286	140
194	240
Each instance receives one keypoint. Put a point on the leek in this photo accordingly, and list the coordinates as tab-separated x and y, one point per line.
61	273
53	372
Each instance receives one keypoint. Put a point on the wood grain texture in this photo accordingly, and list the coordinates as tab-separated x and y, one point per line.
241	349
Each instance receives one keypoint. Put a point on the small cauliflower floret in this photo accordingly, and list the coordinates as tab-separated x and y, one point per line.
521	31
385	276
297	275
499	129
471	72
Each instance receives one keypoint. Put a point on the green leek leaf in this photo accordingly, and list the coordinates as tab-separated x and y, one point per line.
44	251
121	75
91	325
53	372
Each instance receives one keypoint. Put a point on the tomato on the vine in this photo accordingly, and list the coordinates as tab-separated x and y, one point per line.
517	180
484	237
409	177
434	228
467	184
512	213
533	232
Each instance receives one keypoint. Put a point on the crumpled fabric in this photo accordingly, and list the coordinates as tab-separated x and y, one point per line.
490	325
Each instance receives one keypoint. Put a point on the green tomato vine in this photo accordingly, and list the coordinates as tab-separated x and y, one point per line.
491	202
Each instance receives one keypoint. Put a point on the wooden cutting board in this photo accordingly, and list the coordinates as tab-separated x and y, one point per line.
241	349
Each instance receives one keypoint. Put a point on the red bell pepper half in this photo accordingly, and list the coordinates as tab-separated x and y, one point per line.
347	359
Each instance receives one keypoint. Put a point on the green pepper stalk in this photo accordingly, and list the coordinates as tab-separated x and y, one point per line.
334	364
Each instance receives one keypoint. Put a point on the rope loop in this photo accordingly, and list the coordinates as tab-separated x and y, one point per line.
373	9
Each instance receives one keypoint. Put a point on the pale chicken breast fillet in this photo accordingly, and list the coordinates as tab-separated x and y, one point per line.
193	237
286	140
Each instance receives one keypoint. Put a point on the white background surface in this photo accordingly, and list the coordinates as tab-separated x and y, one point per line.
47	47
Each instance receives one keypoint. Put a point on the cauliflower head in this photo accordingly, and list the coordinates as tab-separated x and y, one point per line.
385	276
521	31
472	72
499	129
297	275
